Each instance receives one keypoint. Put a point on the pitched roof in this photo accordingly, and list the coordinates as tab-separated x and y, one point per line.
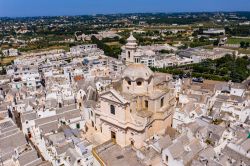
116	95
11	142
49	127
28	157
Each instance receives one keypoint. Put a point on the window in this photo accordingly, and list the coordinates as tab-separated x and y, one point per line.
162	102
138	83
129	82
150	79
166	158
113	135
112	109
128	54
78	125
146	103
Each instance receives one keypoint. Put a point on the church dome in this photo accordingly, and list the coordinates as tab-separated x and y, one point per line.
137	71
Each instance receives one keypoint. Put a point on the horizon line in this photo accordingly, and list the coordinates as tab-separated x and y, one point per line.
122	13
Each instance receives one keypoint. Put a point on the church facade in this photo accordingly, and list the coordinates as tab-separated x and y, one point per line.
134	110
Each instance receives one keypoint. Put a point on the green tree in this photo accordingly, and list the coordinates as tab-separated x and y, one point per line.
216	42
242	44
247	44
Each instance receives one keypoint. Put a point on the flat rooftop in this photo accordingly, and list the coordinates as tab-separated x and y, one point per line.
115	155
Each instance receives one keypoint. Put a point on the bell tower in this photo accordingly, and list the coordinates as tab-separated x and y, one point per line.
130	48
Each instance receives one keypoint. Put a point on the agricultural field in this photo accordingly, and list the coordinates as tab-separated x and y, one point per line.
237	40
6	60
113	44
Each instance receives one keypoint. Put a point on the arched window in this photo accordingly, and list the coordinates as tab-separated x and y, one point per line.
112	109
128	54
129	82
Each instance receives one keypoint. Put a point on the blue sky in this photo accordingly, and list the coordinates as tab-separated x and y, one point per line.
14	8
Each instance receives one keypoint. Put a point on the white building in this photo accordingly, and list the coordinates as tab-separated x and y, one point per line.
10	52
214	31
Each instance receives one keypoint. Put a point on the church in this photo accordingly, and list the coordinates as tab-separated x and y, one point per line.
136	107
